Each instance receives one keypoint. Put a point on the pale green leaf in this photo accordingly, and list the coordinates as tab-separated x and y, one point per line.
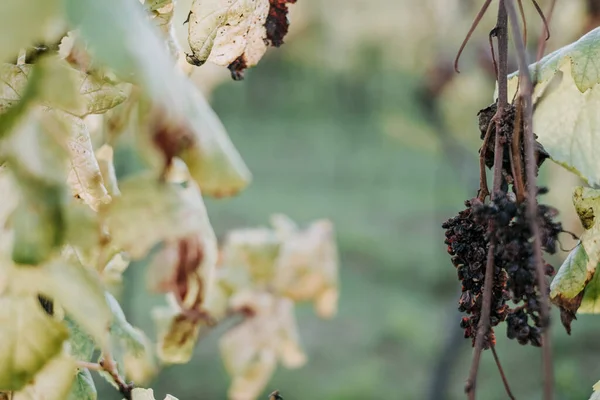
120	35
162	212
141	367
79	291
590	304
147	394
25	22
82	226
568	81
81	345
29	338
220	31
53	382
582	55
133	338
38	225
83	387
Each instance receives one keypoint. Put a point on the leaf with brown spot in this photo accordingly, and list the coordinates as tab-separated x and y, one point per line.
571	285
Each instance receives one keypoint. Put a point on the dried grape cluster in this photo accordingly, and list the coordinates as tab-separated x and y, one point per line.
468	237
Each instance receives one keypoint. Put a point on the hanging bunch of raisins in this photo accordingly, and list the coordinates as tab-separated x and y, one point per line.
502	220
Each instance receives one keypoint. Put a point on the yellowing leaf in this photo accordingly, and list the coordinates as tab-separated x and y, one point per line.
53	382
29	339
177	335
83	387
221	31
104	155
307	265
163	212
213	161
253	249
61	87
574	276
254	379
85	178
141	367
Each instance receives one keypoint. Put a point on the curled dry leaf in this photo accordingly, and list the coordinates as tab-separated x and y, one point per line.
571	284
250	349
307	264
235	33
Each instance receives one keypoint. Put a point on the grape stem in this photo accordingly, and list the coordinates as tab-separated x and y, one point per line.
483	328
108	365
525	96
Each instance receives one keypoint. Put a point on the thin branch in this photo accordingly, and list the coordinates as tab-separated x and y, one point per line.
543	17
542	43
89	365
516	155
471	30
483	328
504	380
522	12
108	365
530	166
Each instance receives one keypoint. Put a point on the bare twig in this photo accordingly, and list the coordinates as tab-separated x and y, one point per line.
530	166
471	30
542	43
515	150
483	327
89	365
522	12
504	380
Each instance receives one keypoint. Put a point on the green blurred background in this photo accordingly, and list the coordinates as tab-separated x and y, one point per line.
347	121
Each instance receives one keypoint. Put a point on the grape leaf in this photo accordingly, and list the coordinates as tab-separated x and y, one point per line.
163	211
147	394
81	345
177	335
133	338
214	162
29	339
53	382
85	178
104	155
568	81
83	387
27	21
307	264
221	31
64	282
141	367
60	86
567	288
